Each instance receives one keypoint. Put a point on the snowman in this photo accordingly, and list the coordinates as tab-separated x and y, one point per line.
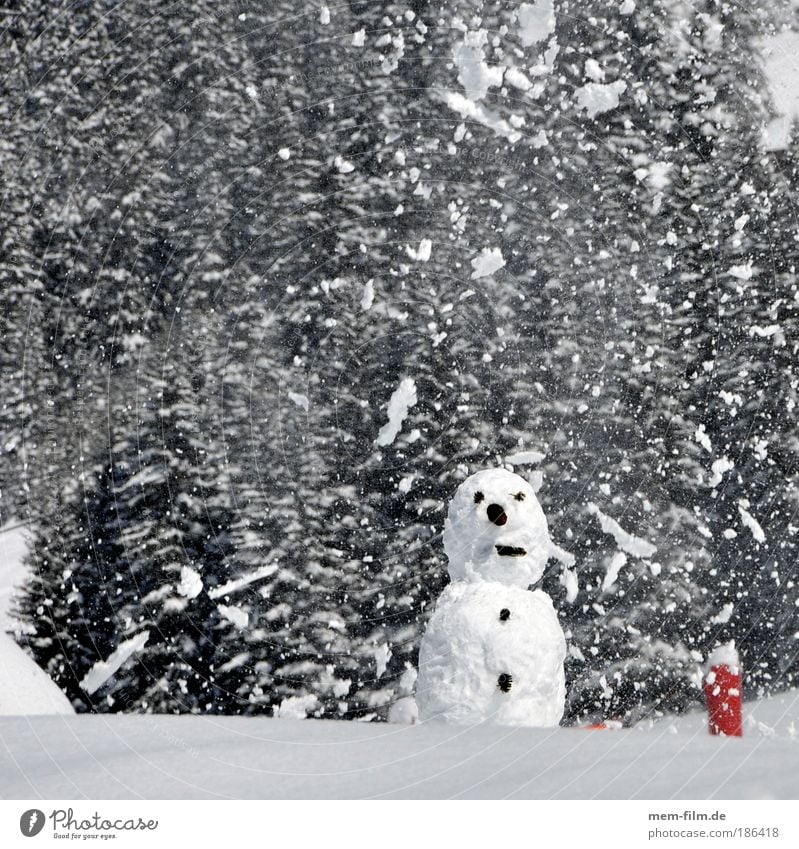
493	649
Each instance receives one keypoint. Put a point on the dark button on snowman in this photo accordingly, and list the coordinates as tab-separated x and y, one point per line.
493	650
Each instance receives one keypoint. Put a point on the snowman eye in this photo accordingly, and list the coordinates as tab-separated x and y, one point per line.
478	497
519	496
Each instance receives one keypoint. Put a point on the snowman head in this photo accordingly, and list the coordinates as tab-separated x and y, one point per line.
496	531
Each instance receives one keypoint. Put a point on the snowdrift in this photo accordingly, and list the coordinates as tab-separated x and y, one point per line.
25	689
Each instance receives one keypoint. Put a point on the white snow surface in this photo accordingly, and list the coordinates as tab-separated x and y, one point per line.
402	399
487	263
103	670
625	541
25	689
471	538
466	647
212	757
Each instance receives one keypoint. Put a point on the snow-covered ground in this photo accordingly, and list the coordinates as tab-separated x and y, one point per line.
167	757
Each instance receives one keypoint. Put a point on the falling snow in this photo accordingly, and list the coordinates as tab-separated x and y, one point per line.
626	542
402	399
597	98
487	263
102	670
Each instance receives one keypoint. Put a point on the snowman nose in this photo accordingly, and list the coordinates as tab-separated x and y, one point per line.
496	514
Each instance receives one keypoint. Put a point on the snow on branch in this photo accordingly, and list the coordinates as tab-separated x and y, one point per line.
243	581
617	563
750	522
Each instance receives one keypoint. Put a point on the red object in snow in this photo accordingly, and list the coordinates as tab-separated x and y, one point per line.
723	692
607	725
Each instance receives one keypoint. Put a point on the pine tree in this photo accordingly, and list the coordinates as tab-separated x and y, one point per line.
147	545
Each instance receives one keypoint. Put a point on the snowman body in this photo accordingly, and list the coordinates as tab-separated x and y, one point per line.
493	650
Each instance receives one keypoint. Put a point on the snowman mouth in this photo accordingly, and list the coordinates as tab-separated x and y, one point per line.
510	551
